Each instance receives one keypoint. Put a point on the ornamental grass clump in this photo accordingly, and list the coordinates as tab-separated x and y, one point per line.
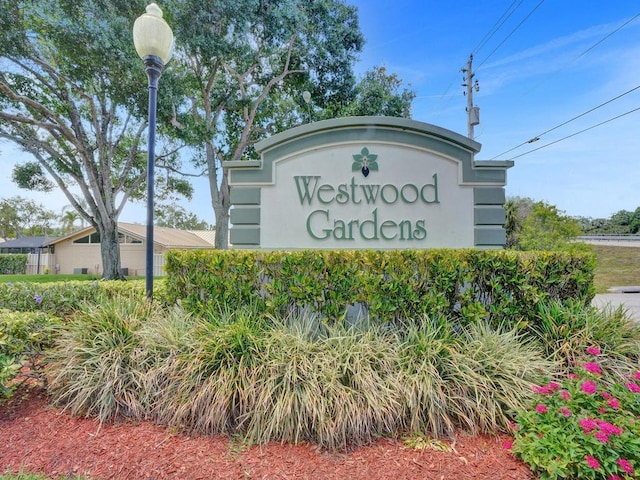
587	426
474	379
97	367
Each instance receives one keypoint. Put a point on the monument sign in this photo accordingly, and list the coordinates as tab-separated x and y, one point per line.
367	182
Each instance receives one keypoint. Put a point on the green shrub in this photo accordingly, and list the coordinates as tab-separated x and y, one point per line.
24	337
11	264
466	285
64	298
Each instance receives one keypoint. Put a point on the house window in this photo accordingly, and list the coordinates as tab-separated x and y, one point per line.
122	238
93	238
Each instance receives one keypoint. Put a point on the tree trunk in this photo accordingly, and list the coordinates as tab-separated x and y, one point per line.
110	249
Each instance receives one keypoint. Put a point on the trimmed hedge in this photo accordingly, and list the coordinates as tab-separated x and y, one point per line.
465	284
63	298
11	264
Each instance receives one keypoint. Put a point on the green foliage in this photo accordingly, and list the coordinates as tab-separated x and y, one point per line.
31	176
376	93
24	337
539	226
204	378
475	379
70	83
566	330
466	285
290	379
33	476
94	369
64	298
20	217
338	388
174	216
584	427
621	222
13	264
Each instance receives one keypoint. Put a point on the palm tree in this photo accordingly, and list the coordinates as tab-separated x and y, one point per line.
68	219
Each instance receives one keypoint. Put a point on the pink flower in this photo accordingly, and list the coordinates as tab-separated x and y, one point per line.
636	375
634	387
593	350
625	465
565	395
590	387
565	411
593	367
592	462
573	376
508	444
540	408
542	390
608	428
514	426
606	395
603	437
554	386
587	424
614	477
614	403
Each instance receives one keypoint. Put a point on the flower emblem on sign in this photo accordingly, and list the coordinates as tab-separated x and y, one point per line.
365	162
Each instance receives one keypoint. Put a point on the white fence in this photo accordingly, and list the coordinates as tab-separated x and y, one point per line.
38	263
46	263
158	265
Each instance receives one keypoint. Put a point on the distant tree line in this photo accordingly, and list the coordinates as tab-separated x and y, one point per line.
21	217
621	222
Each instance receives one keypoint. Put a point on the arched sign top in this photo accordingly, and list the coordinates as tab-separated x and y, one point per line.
367	182
367	128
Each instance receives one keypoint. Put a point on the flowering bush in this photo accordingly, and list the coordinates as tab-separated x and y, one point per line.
587	427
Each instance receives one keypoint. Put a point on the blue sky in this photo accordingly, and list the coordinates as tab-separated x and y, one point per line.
548	62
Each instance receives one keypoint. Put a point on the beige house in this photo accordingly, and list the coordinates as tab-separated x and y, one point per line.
79	252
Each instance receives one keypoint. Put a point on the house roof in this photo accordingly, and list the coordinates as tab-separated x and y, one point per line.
26	242
208	235
166	237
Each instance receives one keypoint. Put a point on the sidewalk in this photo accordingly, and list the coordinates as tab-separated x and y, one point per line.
630	301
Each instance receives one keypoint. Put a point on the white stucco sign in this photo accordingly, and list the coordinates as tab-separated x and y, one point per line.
367	183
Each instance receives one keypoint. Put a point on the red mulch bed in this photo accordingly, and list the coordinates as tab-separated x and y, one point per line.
37	438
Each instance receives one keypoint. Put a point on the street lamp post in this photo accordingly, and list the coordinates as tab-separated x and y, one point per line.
153	40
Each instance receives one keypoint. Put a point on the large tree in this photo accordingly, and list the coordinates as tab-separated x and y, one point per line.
245	65
73	96
378	92
20	217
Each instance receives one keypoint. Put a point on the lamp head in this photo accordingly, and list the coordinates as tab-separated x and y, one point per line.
152	35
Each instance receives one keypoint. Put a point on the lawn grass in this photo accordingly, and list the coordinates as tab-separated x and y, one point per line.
616	266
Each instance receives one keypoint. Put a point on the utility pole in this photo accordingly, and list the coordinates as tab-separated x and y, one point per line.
473	113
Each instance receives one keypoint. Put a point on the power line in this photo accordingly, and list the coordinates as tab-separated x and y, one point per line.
576	133
585	52
511	33
537	137
496	26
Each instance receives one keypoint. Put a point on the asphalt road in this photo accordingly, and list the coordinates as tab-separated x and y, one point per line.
629	301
